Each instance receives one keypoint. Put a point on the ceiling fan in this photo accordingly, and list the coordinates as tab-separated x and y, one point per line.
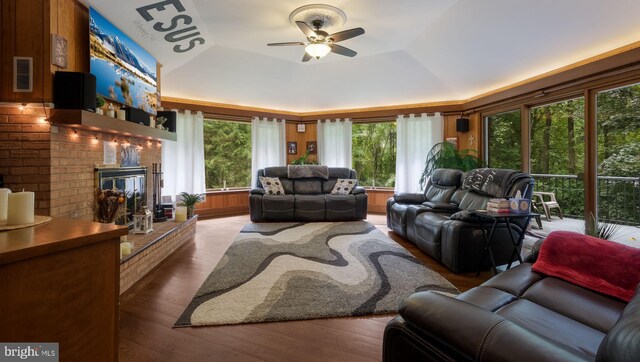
319	43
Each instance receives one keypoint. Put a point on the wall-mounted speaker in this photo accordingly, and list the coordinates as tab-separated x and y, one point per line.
462	125
74	90
22	74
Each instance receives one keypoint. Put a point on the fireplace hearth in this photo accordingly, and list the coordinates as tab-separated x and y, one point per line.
132	182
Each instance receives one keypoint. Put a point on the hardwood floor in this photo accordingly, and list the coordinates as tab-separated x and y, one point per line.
150	308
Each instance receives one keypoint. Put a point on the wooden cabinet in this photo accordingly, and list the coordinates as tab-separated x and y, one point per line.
59	282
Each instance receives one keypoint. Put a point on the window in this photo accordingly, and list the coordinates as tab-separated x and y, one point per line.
227	153
557	153
618	122
374	153
503	140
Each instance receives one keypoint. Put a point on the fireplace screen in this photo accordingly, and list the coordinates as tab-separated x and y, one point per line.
131	181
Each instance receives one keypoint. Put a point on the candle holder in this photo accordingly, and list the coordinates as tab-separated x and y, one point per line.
143	222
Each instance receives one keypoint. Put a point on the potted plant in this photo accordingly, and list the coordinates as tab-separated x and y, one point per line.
99	104
107	205
190	200
446	155
602	230
303	160
160	121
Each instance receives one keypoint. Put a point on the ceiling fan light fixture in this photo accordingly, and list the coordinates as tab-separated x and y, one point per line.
317	50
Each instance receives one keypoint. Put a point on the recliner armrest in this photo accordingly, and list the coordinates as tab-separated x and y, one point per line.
257	191
456	327
358	190
441	206
409	198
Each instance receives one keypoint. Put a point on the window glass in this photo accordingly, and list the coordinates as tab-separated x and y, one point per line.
618	122
227	154
374	153
503	140
557	153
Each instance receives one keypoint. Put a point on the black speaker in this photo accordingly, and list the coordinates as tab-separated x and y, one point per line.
137	115
171	117
74	90
462	125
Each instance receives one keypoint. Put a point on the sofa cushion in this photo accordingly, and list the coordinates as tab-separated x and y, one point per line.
593	309
343	186
428	230
606	267
309	207
554	326
307	187
340	207
437	193
278	207
272	185
473	200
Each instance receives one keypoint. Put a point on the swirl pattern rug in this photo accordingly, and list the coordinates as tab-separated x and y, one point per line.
293	271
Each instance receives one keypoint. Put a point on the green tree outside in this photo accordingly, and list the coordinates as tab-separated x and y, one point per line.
227	154
374	153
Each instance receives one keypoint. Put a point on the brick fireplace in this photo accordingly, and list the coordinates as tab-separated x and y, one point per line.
58	163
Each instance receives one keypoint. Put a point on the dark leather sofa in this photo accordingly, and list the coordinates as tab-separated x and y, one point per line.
438	221
307	199
518	315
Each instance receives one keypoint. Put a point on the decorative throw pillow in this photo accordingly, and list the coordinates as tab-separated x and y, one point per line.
272	185
343	186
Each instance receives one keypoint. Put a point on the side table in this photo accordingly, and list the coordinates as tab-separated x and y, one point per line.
493	218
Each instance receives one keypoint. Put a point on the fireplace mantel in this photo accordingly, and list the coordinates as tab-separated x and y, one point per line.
76	118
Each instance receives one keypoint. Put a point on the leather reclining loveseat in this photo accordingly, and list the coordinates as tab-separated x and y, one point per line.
439	223
307	198
521	315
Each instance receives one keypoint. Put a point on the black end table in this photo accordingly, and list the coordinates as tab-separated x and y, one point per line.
493	218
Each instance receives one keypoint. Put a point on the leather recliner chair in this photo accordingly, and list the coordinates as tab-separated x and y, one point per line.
518	315
439	189
307	199
449	233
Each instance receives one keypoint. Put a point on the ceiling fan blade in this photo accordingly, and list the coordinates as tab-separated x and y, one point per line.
306	57
289	43
335	48
306	29
346	34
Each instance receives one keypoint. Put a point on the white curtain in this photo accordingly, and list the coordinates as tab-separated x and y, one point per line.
416	136
334	143
268	145
183	160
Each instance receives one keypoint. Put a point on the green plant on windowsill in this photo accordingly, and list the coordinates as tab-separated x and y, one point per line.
602	230
190	201
446	155
304	160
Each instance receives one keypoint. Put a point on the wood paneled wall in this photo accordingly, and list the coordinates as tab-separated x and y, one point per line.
26	27
301	138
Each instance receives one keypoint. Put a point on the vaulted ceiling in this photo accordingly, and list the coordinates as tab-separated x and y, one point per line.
413	51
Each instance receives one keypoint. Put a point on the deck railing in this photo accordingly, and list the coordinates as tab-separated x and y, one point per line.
618	197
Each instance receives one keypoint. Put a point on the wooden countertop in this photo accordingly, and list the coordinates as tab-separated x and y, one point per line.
57	235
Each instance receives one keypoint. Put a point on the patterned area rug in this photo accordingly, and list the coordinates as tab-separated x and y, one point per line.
294	271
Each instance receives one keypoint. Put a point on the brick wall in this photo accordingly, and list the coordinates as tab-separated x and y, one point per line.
56	162
25	161
73	160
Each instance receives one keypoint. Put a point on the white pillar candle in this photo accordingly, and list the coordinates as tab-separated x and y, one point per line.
181	213
4	205
122	114
125	249
20	210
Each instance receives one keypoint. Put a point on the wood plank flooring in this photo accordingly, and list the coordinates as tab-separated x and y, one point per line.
150	308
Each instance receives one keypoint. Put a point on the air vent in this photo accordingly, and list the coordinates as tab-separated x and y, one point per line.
22	74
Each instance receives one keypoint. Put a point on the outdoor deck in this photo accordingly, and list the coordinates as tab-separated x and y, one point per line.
628	235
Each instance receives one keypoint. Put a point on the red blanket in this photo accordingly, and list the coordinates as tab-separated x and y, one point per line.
603	266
